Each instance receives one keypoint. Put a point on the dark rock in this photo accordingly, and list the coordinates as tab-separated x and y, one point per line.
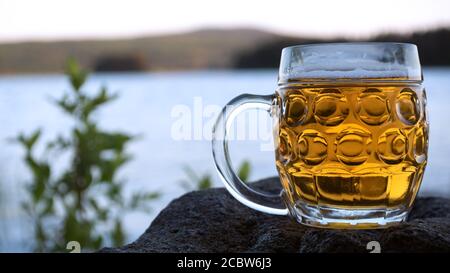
213	221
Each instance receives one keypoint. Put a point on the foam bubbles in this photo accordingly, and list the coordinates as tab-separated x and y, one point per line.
356	73
342	61
334	68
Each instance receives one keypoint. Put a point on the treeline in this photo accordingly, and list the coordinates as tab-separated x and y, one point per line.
434	48
202	49
115	63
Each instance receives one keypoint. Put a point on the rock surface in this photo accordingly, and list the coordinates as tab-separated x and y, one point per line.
213	221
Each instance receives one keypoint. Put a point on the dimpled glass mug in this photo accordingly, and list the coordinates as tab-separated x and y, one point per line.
350	133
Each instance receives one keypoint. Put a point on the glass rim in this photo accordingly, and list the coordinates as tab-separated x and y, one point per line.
351	44
350	61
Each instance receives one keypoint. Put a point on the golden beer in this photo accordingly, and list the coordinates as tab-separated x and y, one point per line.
350	135
351	146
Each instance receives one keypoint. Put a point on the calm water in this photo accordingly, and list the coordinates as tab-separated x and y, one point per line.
145	108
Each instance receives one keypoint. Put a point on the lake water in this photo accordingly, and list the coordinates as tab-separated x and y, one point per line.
147	107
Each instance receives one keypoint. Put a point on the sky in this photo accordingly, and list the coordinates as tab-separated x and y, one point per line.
22	20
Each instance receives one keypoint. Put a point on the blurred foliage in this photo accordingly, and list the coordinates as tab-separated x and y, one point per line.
194	181
73	205
244	171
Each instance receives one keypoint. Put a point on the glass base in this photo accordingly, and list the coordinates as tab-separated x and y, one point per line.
339	218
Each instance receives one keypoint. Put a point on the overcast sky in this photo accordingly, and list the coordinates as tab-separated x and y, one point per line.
62	19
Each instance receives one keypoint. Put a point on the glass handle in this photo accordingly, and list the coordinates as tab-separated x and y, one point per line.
269	203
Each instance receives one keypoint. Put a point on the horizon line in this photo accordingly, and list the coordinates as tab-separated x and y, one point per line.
144	35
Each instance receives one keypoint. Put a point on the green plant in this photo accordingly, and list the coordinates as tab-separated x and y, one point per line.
194	181
85	201
244	171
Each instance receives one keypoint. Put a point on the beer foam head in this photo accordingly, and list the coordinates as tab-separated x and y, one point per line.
350	61
345	70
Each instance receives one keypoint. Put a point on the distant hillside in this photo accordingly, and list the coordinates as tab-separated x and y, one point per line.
203	49
209	48
433	46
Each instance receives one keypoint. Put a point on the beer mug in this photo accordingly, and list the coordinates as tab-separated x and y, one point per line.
350	135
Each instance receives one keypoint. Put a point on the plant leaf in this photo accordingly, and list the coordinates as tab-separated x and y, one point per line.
244	171
77	76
